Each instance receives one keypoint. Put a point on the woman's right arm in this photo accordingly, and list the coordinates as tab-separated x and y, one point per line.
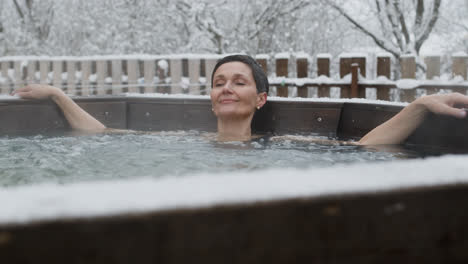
78	118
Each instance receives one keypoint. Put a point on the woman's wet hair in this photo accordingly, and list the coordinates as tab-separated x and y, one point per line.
261	80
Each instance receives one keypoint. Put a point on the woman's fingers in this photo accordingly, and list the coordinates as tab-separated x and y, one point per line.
459	99
452	111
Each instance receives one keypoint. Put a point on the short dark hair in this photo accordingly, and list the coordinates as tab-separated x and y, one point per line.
261	80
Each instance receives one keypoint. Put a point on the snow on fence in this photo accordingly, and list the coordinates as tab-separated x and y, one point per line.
191	74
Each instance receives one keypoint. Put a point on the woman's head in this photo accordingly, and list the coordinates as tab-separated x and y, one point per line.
239	86
258	74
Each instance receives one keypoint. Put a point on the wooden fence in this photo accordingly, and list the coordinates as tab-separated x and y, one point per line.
192	75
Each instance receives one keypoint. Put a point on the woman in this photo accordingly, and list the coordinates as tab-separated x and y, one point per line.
239	87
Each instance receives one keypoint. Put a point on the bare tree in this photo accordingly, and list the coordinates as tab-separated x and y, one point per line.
39	23
404	26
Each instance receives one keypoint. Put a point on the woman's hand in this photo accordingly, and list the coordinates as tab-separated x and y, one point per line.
398	128
445	104
38	91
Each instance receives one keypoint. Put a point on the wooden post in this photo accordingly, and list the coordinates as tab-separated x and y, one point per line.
163	70
18	74
5	83
71	77
57	73
384	69
354	81
132	69
346	60
459	67
31	75
323	69
302	67
194	76
323	64
101	72
433	70
262	59
44	71
408	71
85	73
149	72
116	76
209	66
282	62
176	75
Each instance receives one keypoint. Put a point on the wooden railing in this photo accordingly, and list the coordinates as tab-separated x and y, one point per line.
191	74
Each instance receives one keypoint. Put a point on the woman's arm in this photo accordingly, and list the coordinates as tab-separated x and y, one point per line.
400	127
75	115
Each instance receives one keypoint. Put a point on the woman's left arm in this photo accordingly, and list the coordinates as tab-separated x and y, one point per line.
399	128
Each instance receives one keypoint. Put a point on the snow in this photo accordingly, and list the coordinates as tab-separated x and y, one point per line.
262	56
407	83
164	65
324	56
82	200
302	55
352	55
407	56
383	54
283	55
459	54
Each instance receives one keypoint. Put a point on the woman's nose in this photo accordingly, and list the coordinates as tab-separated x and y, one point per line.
227	87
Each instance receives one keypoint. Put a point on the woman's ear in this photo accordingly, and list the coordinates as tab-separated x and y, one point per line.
261	100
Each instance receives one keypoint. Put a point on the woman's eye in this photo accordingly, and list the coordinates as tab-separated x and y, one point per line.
219	84
240	83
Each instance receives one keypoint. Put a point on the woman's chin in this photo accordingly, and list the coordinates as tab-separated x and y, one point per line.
232	114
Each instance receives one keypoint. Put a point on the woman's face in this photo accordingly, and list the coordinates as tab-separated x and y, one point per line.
234	92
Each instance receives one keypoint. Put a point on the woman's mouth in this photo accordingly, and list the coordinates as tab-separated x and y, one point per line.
227	101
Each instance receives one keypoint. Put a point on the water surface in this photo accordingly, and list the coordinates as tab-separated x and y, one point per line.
67	158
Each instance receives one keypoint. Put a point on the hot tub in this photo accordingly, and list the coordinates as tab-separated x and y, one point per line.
408	211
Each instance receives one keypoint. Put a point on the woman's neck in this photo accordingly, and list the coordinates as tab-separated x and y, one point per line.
234	129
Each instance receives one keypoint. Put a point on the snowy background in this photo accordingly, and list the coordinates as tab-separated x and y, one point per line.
82	27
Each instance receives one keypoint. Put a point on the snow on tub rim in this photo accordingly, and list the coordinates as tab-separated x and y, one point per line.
354	211
27	204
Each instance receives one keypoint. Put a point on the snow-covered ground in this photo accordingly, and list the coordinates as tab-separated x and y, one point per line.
90	199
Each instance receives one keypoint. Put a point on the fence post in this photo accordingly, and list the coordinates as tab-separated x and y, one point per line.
57	73
31	75
5	83
209	66
132	71
354	81
459	66
302	68
346	60
323	69
101	72
432	70
116	76
44	71
408	71
71	76
163	69
282	61
85	73
194	75
176	75
18	74
262	59
384	69
149	72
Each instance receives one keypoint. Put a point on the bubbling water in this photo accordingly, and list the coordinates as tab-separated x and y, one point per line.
63	159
